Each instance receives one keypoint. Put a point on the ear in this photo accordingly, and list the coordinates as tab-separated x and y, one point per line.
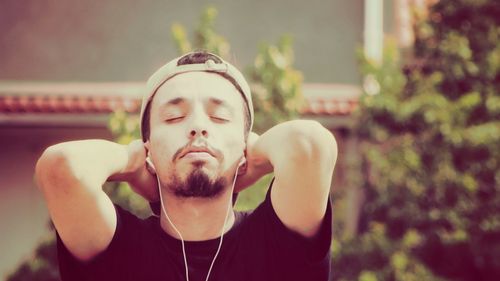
147	145
243	167
243	161
149	163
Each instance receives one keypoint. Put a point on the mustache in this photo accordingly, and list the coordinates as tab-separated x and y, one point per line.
202	143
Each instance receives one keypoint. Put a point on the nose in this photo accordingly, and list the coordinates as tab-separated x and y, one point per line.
195	132
198	125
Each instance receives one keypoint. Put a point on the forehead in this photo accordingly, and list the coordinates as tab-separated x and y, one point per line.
203	86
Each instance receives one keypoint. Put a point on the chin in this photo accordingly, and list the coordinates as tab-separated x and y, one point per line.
198	182
202	167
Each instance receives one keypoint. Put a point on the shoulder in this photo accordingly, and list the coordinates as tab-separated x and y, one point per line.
280	251
264	223
122	250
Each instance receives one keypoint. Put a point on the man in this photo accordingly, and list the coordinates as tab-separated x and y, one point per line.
197	150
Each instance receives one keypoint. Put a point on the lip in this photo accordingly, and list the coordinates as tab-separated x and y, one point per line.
196	152
197	155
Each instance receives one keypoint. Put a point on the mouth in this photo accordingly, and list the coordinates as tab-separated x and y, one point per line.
197	152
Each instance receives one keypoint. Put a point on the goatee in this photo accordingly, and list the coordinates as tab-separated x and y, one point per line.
197	184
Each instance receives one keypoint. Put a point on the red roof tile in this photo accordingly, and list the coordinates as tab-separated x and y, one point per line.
330	99
101	98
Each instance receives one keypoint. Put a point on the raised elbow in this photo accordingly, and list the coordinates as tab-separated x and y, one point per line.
50	167
313	140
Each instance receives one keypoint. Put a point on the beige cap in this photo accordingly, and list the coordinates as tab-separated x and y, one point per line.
172	68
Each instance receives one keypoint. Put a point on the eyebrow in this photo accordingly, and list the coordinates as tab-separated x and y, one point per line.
175	101
217	101
180	100
172	102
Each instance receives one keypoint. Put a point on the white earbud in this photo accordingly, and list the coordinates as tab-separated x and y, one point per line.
148	160
242	161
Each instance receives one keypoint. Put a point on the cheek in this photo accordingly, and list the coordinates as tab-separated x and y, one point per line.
164	145
234	147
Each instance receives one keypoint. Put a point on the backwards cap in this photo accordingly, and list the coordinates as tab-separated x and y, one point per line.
173	68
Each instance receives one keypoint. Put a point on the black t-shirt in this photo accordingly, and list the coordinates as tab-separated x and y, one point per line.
258	247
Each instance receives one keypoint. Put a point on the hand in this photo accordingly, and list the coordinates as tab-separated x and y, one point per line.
138	173
256	166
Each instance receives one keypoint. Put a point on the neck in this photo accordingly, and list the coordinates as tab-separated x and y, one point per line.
197	219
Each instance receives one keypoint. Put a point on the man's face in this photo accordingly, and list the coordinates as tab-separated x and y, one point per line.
196	111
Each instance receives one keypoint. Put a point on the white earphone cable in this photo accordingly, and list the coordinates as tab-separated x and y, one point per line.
223	226
180	235
175	228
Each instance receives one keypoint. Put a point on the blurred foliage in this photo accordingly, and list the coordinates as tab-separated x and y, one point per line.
277	87
42	266
205	36
430	129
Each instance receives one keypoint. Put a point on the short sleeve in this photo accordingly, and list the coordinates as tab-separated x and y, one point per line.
306	258
107	264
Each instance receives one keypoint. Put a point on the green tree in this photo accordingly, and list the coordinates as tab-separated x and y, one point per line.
205	36
276	84
430	130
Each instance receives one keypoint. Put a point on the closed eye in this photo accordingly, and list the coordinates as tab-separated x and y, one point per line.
174	119
219	119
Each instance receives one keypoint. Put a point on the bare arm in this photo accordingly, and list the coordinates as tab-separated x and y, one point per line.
303	155
71	176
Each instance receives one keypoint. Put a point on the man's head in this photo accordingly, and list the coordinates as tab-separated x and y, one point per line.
195	119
